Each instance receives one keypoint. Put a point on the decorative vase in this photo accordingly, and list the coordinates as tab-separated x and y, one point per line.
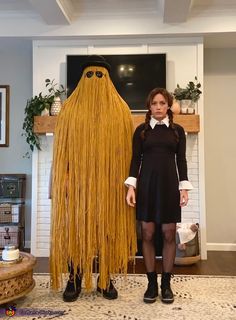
185	104
175	108
56	106
191	108
45	112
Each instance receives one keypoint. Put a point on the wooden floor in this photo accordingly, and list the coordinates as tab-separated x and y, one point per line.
217	263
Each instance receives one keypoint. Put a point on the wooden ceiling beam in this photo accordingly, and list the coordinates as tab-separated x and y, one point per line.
54	12
176	11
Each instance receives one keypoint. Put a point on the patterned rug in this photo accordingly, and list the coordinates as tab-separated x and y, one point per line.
196	298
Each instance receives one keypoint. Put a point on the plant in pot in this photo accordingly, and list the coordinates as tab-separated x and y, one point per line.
188	96
35	106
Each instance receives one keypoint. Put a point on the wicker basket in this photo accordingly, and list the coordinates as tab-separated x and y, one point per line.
9	235
5	213
184	261
191	254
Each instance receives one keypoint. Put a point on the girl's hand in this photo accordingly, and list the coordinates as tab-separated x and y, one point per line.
130	197
183	198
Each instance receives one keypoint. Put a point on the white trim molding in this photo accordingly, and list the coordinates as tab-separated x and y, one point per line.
211	246
33	244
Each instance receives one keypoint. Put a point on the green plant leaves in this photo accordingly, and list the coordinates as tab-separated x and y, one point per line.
34	107
191	92
53	90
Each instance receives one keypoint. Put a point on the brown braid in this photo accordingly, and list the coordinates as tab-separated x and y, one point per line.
147	121
168	97
172	125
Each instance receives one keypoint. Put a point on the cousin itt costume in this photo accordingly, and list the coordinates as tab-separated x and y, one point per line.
91	156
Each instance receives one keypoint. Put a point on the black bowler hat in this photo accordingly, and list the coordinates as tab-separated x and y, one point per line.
96	60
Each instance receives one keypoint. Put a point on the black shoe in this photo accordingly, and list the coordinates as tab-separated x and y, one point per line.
150	295
110	293
166	292
72	290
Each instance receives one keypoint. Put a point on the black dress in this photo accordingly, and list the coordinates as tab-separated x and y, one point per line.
159	163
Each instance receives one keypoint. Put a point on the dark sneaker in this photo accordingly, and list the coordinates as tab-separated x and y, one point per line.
151	293
110	293
72	290
166	292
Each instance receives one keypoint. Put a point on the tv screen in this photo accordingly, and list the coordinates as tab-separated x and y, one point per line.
133	75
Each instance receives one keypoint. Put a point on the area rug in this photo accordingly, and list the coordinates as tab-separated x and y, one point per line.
196	298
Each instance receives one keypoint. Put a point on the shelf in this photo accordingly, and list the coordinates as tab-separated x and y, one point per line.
12	210
190	122
44	124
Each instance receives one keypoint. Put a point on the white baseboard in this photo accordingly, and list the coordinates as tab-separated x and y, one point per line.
221	246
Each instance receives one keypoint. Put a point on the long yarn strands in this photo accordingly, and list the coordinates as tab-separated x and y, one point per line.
91	157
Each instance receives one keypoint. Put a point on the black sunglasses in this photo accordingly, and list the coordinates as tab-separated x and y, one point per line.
89	74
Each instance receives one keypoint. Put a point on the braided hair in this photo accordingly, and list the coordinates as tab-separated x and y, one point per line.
168	97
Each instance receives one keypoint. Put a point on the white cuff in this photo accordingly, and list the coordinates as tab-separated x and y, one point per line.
186	185
131	181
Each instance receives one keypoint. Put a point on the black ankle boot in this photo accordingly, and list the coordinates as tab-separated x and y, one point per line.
151	293
166	292
110	293
73	289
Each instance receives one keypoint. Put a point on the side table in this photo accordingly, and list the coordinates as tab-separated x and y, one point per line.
16	280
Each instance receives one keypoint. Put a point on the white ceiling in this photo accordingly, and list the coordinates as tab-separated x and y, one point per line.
215	20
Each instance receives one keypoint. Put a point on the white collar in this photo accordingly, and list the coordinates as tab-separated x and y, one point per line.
154	121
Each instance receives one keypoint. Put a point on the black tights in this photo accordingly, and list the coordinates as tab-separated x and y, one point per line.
148	245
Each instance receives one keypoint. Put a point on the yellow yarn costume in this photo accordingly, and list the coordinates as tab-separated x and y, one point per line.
91	157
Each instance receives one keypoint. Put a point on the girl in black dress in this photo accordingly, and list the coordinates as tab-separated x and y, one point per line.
159	169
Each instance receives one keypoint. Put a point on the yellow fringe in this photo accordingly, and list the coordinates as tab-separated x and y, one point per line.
91	158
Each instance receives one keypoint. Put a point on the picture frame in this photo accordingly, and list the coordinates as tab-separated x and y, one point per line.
4	115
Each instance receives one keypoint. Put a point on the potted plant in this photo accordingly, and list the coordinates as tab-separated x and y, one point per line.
35	106
188	96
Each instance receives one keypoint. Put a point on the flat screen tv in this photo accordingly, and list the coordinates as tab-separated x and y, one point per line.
134	75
